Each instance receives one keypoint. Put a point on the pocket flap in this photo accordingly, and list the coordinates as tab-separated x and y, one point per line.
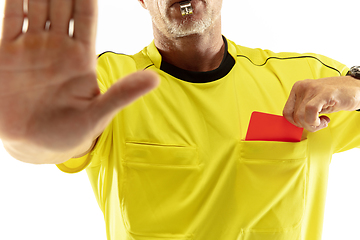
273	150
161	154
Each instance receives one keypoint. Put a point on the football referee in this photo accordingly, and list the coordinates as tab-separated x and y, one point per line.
162	133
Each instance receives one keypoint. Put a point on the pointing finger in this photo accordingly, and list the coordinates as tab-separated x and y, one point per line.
289	108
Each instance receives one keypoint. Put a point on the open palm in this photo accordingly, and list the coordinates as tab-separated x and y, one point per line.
49	94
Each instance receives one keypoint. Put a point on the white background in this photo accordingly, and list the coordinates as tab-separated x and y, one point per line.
42	203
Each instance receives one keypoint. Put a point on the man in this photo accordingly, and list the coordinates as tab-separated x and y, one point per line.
174	164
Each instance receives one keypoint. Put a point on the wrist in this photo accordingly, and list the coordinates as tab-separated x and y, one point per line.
354	73
30	153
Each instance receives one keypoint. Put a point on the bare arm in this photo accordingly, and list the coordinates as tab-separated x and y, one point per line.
51	108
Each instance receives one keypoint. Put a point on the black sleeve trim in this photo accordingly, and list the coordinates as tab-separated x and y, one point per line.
112	53
149	66
122	55
287	58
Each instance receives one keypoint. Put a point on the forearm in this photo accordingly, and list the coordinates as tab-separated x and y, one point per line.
29	153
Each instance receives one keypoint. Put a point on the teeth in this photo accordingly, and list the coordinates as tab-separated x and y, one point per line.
186	8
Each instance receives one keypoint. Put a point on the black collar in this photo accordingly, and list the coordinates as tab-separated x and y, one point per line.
202	77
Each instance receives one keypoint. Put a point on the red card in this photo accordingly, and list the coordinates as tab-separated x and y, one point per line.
269	127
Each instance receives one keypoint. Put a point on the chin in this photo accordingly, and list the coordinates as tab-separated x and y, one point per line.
188	27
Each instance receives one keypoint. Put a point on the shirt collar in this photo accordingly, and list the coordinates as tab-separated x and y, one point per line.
195	77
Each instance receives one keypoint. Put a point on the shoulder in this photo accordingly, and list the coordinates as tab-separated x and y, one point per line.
138	61
109	58
320	65
113	66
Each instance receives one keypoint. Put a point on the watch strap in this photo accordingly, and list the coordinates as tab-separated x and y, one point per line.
350	74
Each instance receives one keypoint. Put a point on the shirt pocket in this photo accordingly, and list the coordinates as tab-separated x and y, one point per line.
157	191
272	186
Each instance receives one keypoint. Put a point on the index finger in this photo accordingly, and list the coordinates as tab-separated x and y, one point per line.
289	107
13	19
85	20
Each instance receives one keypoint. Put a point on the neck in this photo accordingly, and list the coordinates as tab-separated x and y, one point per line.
199	52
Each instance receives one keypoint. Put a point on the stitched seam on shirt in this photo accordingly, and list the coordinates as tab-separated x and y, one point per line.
289	58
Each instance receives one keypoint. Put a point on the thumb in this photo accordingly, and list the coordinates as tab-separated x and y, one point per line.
121	94
324	122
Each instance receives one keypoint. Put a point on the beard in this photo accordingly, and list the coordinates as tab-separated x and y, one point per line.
187	26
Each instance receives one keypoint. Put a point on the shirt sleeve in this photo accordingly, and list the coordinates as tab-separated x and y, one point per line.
344	125
75	165
94	158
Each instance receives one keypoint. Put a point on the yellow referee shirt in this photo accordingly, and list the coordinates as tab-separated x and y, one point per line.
174	164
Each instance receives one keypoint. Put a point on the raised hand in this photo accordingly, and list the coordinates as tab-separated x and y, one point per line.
49	95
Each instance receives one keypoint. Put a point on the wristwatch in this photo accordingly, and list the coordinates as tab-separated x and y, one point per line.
355	73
